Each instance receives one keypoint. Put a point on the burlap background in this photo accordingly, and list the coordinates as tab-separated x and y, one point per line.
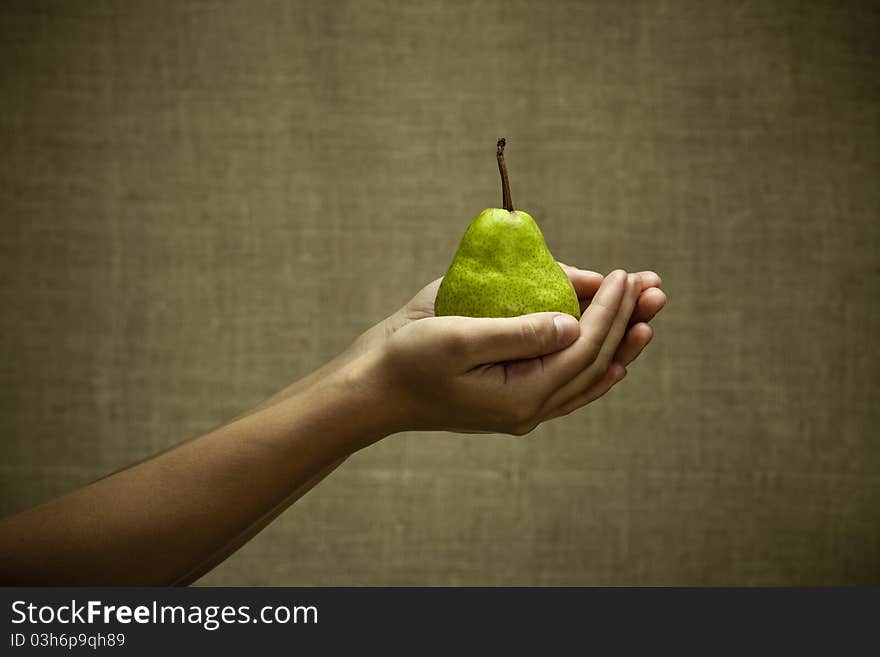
201	201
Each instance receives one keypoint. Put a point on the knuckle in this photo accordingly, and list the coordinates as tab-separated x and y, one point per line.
604	310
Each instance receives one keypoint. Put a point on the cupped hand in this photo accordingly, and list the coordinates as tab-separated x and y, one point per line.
509	375
651	300
586	283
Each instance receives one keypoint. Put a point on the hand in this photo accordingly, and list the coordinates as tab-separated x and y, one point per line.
586	284
651	301
509	375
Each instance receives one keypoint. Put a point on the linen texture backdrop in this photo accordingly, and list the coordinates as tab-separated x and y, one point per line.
202	201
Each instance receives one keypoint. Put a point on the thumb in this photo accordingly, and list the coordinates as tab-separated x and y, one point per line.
489	340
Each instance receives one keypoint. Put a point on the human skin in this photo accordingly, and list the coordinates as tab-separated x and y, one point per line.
171	518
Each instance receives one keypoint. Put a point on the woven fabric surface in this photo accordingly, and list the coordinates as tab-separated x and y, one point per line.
202	201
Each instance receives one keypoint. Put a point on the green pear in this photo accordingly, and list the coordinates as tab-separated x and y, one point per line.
503	267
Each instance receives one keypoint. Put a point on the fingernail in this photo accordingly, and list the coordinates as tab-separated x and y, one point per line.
567	329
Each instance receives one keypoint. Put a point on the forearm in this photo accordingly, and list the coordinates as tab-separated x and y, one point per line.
362	345
365	343
169	519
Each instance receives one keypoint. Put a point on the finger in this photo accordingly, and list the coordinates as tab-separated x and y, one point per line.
637	338
596	322
584	286
650	302
618	330
615	374
595	369
589	281
650	279
479	341
585	283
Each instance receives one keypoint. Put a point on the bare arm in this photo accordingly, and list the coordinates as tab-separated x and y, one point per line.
170	519
163	520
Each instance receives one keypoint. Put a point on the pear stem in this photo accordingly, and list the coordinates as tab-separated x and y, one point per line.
502	169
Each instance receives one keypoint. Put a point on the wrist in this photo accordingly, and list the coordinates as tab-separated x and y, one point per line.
357	402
